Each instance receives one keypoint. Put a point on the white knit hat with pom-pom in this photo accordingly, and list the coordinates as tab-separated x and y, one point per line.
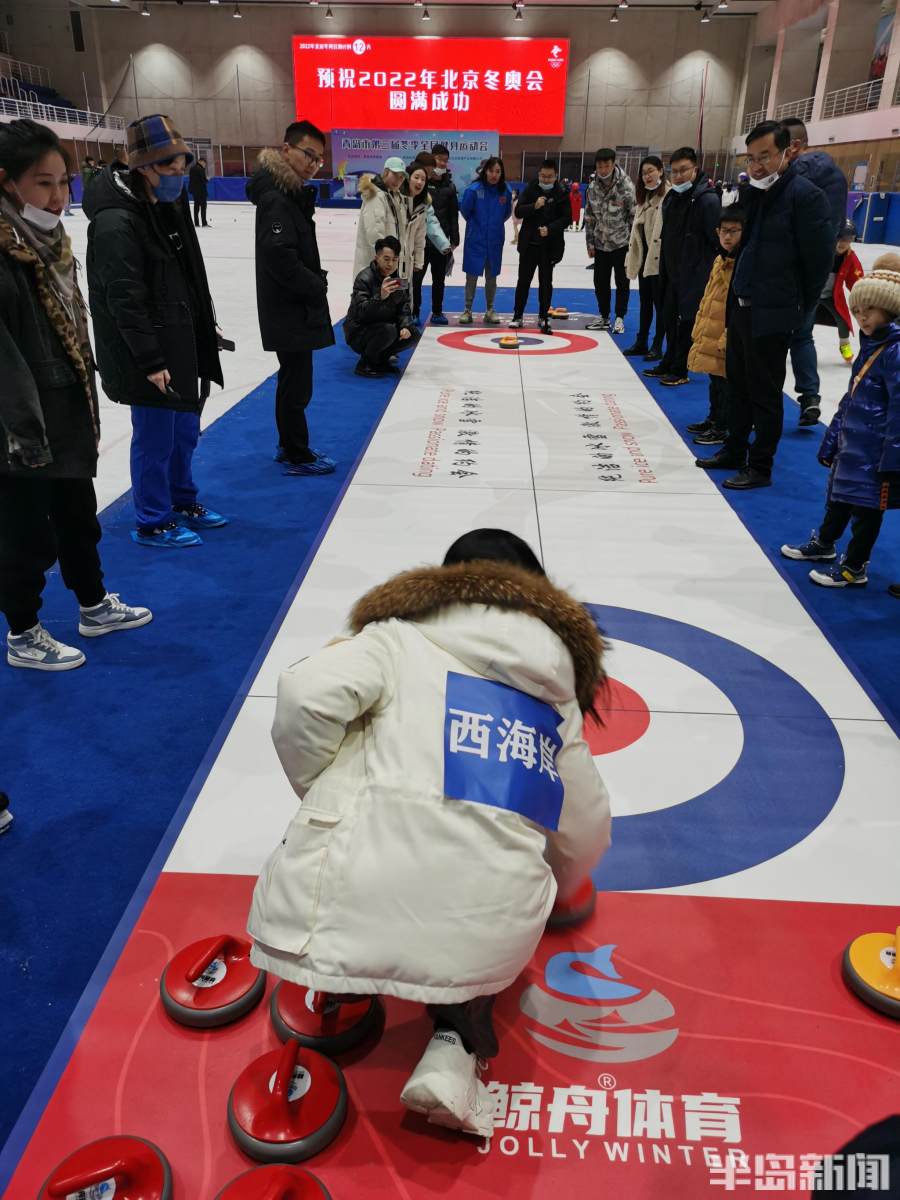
881	287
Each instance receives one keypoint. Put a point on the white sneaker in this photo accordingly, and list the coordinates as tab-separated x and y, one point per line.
446	1087
619	326
36	650
109	615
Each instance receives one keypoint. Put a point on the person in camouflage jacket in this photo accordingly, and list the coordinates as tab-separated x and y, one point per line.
608	216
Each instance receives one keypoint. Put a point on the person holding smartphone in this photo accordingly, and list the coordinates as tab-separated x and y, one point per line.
157	341
380	323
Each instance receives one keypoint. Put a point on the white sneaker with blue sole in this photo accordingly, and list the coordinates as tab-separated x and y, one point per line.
38	650
111	615
446	1087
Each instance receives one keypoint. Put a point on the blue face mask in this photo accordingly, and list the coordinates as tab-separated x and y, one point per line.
545	187
169	188
683	187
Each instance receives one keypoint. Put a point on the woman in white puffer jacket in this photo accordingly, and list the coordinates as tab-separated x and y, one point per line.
448	797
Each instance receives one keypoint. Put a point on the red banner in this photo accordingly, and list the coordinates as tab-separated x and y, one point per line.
512	85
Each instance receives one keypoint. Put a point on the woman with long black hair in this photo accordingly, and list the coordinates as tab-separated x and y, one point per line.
49	415
642	260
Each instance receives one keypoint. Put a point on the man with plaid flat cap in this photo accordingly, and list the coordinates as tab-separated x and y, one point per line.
155	327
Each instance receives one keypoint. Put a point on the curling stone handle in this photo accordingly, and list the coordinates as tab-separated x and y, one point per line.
117	1170
282	1187
210	952
318	1001
285	1070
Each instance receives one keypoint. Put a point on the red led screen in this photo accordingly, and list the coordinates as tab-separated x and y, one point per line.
512	85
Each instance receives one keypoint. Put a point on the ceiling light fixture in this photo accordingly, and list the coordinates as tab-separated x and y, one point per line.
313	3
623	3
237	14
145	11
614	19
417	3
519	15
704	20
722	4
426	15
328	13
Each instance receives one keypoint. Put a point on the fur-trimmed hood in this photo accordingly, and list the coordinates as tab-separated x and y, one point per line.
273	172
422	595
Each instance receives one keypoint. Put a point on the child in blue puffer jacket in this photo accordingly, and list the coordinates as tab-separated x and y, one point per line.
862	445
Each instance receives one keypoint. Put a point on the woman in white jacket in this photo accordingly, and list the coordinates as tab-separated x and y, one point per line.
448	798
642	259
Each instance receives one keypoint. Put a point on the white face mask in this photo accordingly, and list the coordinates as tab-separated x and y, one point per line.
768	180
683	187
650	187
38	217
440	171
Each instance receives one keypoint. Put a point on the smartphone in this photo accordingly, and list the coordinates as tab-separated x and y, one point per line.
172	394
402	285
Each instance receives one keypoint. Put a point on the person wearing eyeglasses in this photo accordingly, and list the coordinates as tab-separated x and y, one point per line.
155	326
291	287
786	255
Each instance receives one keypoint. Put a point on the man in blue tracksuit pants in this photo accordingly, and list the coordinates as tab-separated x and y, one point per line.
157	343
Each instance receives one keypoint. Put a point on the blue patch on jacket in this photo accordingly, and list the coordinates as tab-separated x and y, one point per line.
500	748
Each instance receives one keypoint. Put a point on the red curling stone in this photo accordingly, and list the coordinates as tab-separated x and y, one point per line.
275	1183
129	1167
287	1105
574	909
323	1022
211	982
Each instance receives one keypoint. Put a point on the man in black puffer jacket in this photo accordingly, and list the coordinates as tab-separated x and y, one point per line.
690	245
380	322
545	213
785	258
154	324
291	287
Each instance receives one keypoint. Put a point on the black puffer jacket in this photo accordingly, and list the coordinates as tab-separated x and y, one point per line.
198	185
556	214
690	243
47	419
291	287
368	308
151	304
445	200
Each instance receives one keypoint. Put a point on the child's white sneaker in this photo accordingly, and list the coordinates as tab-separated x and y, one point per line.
446	1087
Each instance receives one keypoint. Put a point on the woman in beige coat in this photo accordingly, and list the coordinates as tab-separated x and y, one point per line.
448	797
642	260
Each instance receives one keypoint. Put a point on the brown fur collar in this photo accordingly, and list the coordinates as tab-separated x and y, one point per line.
283	176
420	593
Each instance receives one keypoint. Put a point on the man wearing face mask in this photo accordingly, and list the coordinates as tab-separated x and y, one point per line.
690	245
157	343
787	252
545	212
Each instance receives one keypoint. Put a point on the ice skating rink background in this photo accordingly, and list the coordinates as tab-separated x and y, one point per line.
750	751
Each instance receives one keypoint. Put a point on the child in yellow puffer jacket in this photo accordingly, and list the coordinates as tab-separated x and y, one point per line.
708	347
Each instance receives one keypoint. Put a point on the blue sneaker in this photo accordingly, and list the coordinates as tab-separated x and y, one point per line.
279	455
167	537
841	576
440	319
811	551
197	516
321	465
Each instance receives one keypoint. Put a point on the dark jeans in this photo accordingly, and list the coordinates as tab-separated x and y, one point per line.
376	343
719	402
531	259
472	1021
418	276
864	523
678	329
607	262
43	521
292	395
200	212
803	357
438	264
755	367
651	303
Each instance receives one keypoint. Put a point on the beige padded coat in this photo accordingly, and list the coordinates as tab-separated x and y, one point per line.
708	346
389	880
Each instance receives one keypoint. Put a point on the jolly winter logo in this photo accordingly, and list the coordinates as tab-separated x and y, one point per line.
585	1010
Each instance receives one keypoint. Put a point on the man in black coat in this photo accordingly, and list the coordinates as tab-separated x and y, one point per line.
445	202
785	258
690	244
291	287
154	325
197	186
380	322
821	169
545	212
